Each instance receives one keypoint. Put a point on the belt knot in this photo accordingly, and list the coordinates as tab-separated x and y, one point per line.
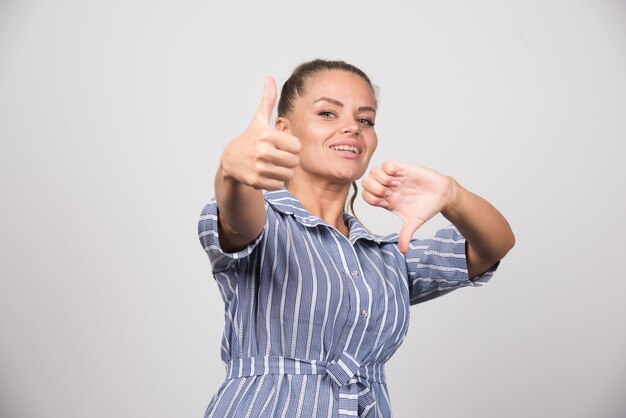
355	394
351	377
343	370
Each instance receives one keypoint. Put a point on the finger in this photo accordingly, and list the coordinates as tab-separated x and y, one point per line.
383	178
407	232
285	159
269	184
275	185
282	141
269	171
393	168
371	185
373	199
281	158
268	101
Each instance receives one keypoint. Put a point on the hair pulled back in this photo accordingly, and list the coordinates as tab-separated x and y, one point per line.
296	83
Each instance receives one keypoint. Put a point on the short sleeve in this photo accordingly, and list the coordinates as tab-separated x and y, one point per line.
208	233
438	266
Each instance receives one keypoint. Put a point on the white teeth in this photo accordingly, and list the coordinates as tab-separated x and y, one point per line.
346	148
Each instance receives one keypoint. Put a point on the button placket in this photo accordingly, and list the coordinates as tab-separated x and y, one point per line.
358	298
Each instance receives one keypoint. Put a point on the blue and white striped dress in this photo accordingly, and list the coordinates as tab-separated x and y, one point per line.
312	316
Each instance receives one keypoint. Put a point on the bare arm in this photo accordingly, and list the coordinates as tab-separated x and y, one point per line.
260	158
241	212
488	234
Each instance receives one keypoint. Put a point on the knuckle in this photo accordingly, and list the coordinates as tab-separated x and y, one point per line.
265	135
251	180
262	156
296	145
259	169
254	178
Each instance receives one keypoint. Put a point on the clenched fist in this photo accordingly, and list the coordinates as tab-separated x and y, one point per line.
261	157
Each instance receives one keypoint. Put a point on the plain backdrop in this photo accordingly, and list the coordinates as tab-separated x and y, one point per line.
112	120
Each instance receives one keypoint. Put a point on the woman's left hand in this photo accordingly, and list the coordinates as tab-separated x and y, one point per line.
412	192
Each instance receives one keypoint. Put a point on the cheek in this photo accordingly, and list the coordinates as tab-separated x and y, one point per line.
313	133
374	142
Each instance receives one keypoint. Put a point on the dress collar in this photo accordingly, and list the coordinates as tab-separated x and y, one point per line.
284	202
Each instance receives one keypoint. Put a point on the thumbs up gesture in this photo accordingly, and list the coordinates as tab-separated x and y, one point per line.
412	192
261	157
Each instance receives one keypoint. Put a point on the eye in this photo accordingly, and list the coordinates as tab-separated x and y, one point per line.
366	121
326	114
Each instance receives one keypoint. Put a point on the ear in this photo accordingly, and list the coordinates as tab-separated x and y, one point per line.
283	124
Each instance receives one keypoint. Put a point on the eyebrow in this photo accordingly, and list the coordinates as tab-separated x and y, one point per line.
338	103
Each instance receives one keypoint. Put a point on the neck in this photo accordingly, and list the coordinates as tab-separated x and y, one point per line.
324	200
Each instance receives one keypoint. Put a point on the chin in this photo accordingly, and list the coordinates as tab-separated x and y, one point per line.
349	177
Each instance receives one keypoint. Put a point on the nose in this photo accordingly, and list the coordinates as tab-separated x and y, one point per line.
351	128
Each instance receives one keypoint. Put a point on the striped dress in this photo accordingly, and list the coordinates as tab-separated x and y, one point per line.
311	316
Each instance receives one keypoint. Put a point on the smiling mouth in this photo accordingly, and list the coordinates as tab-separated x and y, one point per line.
348	148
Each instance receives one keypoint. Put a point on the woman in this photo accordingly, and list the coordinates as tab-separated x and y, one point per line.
315	305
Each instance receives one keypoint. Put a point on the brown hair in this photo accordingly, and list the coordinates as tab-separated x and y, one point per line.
296	83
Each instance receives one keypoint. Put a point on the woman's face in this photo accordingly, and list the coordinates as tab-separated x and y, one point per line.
334	120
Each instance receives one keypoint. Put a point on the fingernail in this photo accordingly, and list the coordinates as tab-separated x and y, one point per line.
383	203
388	193
395	183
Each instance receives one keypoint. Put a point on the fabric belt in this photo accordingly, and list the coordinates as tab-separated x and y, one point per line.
352	378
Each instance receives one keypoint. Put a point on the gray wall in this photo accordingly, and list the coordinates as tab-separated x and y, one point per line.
112	118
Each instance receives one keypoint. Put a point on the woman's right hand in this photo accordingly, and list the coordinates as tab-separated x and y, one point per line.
261	157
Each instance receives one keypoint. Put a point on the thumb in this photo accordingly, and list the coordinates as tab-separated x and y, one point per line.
269	100
406	233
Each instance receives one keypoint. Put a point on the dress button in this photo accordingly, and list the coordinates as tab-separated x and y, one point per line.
364	313
354	274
